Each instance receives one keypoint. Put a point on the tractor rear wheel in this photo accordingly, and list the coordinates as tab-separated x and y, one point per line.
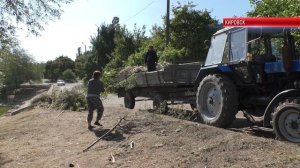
217	100
286	121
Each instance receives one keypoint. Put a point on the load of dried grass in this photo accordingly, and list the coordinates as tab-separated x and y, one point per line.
127	71
126	77
131	70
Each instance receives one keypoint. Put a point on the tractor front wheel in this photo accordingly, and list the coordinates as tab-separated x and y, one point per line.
286	121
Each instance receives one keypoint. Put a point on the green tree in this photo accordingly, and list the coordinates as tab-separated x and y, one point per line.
103	45
100	54
127	43
272	8
17	67
80	63
69	76
189	29
156	39
54	69
38	71
51	70
33	14
115	47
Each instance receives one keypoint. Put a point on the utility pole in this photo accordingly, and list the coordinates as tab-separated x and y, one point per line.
168	23
84	46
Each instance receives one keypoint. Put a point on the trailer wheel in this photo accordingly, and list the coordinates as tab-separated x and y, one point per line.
286	121
156	103
193	106
217	100
129	100
160	104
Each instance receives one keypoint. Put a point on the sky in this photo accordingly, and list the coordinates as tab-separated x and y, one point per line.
82	17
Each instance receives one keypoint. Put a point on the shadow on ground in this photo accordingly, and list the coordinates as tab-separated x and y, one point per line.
240	124
244	126
113	136
3	160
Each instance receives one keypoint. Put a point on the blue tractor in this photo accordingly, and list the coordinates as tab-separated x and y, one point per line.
255	70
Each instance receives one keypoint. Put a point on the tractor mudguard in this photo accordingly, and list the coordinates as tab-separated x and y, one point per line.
211	70
275	101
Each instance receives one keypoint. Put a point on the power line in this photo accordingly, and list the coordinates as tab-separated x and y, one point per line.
140	11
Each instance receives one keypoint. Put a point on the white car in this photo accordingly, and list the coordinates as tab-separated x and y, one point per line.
60	83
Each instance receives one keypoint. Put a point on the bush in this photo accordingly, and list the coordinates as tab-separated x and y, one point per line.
111	81
43	98
173	55
3	109
136	59
169	54
69	76
108	79
73	99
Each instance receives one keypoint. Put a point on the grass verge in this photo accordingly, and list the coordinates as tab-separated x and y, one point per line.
3	110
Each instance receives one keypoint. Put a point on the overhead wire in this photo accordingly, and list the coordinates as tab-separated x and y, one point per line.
140	11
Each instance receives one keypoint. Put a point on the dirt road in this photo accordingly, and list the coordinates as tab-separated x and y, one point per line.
43	138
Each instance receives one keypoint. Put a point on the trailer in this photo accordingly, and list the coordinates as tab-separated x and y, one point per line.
172	85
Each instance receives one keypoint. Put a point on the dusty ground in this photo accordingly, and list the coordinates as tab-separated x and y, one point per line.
44	138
